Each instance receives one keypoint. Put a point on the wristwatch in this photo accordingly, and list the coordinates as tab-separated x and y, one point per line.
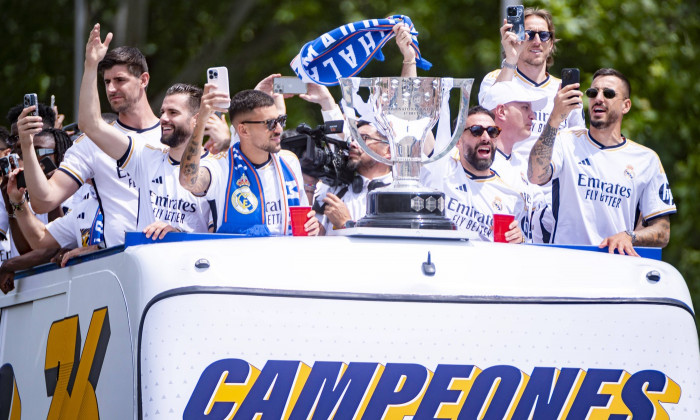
632	235
505	64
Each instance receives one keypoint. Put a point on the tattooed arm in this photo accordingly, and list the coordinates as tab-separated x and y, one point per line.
193	177
539	169
657	233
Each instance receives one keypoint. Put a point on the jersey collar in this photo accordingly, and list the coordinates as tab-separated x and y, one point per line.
532	82
136	129
600	145
470	175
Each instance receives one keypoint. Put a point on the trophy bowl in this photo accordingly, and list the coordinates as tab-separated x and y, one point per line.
405	110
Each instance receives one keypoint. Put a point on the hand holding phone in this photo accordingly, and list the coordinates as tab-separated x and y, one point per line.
29	100
292	85
514	16
569	76
218	76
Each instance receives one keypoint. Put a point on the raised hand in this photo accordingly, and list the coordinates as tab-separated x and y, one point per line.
95	49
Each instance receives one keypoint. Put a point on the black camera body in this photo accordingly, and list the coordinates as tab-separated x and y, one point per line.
317	157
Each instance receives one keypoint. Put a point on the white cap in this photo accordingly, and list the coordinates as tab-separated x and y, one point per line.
504	92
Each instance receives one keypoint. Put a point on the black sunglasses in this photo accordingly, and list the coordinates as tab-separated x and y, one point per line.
477	130
544	35
607	92
271	123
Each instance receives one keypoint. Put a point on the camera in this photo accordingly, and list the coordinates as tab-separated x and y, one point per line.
321	156
9	163
512	11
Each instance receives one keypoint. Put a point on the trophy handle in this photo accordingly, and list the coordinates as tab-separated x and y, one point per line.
465	87
349	86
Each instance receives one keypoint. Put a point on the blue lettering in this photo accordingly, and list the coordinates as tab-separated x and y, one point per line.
547	402
238	371
510	378
438	392
270	392
633	393
588	396
323	379
386	393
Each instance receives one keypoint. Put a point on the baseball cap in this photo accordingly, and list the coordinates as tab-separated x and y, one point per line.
510	91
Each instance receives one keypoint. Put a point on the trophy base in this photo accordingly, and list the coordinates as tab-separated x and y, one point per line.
407	210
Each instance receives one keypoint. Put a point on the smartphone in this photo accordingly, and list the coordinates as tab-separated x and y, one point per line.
287	84
570	76
9	163
47	164
29	100
21	183
514	16
219	77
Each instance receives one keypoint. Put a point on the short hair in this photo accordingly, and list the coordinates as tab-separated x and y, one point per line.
194	94
614	73
47	114
547	16
476	109
131	57
249	100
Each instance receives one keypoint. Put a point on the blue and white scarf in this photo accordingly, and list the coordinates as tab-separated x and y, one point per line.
345	51
244	211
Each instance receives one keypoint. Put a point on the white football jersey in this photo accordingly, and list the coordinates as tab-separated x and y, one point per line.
276	211
161	197
516	177
115	188
81	226
597	190
355	202
550	86
471	201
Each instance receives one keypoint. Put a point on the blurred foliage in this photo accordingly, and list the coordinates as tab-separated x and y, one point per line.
653	43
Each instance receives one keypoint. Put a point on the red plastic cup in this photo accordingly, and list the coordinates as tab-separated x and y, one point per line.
500	226
299	218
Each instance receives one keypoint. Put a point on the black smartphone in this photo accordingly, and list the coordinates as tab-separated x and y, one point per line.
29	100
570	76
47	164
21	183
514	16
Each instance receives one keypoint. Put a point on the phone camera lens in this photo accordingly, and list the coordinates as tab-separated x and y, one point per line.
512	12
216	74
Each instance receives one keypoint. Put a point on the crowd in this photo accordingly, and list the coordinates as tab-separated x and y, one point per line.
525	151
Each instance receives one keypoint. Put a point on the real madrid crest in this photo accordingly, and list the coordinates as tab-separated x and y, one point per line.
629	172
497	204
243	199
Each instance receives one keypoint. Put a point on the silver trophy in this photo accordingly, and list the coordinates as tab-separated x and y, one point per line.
405	109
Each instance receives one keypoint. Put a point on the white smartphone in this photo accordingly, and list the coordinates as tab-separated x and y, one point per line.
219	77
287	84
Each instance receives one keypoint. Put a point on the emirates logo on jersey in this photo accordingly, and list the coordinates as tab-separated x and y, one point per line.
629	172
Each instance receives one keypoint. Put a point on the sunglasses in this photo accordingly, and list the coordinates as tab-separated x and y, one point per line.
544	35
367	137
477	130
271	123
607	92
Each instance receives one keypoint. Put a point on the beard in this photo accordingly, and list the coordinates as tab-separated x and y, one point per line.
474	160
125	105
176	138
611	119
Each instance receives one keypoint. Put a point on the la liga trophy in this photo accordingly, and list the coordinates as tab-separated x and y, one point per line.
405	109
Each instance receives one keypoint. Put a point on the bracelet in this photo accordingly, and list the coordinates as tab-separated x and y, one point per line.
410	62
505	64
632	235
18	206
